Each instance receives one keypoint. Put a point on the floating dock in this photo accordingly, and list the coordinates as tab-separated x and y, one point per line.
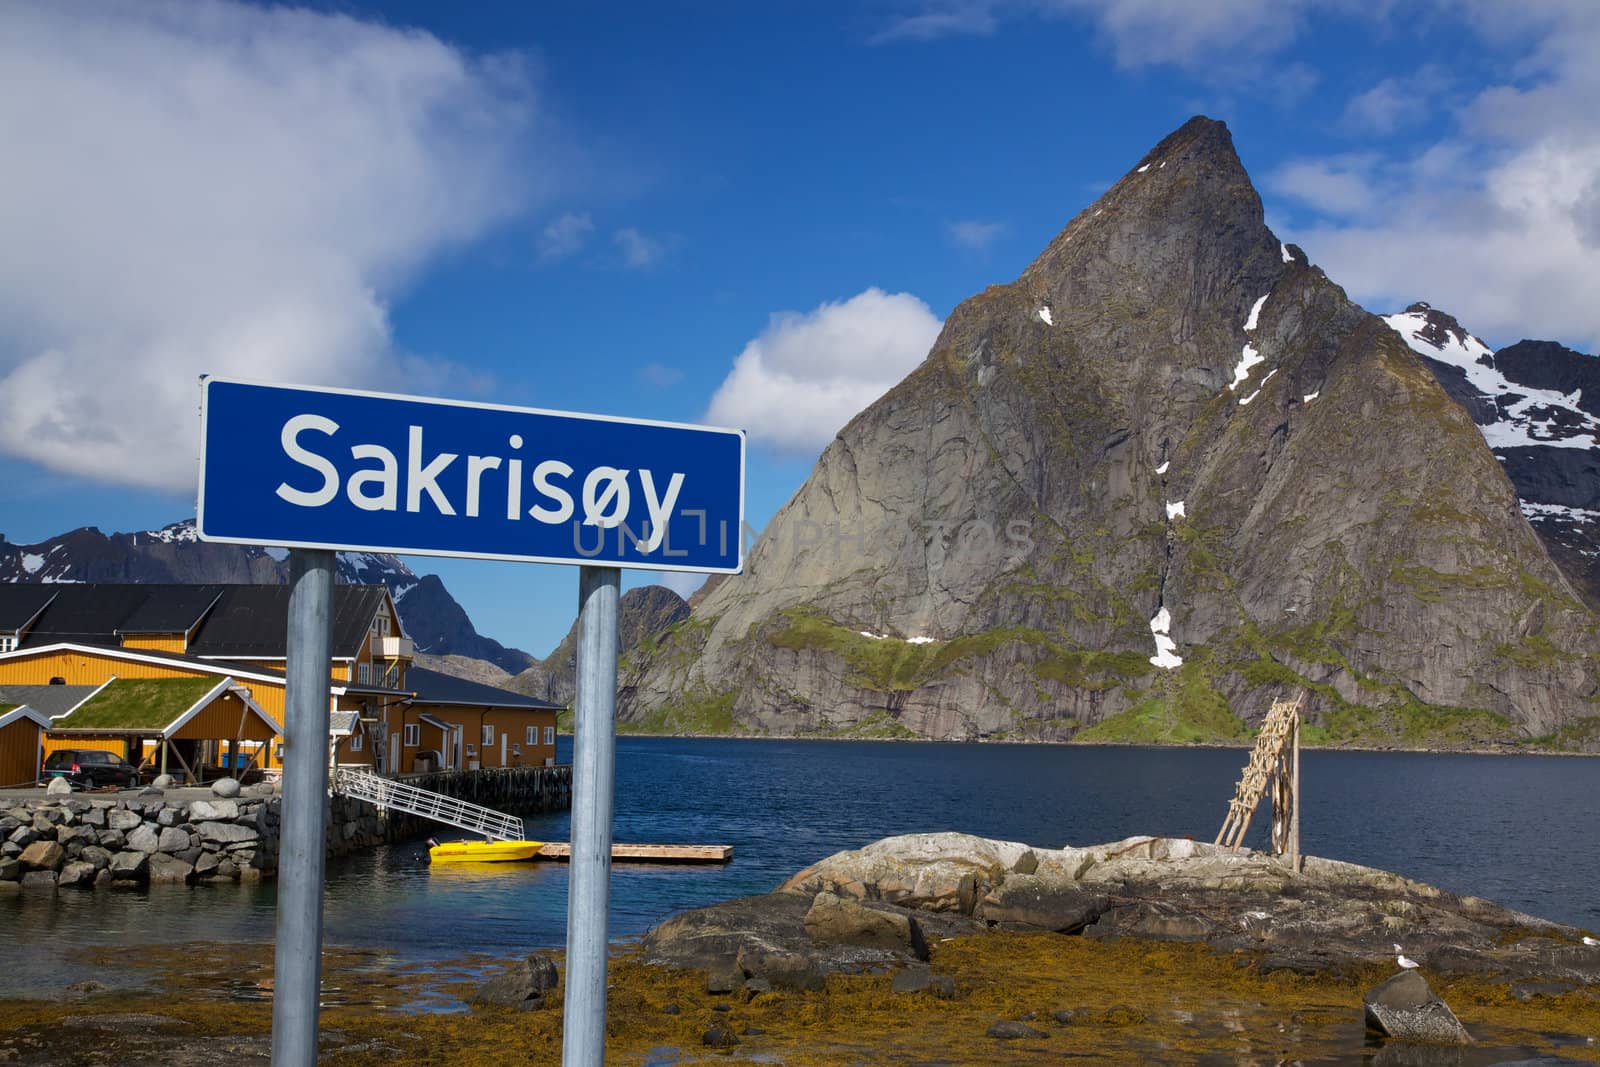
648	853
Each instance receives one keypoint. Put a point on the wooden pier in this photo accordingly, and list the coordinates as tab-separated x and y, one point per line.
556	850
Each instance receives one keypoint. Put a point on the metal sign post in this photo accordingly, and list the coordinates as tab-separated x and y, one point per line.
297	962
593	789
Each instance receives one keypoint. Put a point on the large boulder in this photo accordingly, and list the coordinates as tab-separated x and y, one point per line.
213	810
94	854
173	840
130	866
934	872
834	920
523	986
781	968
1031	900
168	870
144	839
225	787
42	856
77	872
1405	1008
227	833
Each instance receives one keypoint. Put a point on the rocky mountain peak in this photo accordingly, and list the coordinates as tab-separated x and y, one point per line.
1184	223
1423	324
1167	472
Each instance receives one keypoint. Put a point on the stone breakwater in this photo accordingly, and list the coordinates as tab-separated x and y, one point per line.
146	839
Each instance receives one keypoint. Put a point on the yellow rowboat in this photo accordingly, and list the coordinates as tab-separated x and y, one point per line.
484	851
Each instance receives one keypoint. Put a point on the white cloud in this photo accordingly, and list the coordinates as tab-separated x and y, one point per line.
222	188
971	233
1145	33
808	374
942	18
565	236
659	375
1197	34
1337	185
638	251
1497	220
1397	103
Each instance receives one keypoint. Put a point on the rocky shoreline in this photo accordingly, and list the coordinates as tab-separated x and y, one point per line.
1330	918
952	949
1146	949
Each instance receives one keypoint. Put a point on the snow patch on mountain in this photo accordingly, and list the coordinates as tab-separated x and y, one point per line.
1558	511
1241	370
1166	656
1255	314
1528	417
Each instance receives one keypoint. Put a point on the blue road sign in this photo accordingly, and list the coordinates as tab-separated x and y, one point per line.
332	468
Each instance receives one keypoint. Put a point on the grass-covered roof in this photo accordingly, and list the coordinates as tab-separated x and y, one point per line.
4	708
138	704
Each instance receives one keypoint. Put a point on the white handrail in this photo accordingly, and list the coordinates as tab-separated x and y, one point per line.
414	800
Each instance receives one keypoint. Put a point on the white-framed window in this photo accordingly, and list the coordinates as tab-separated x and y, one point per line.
533	735
364	674
8	643
413	736
488	735
355	741
549	735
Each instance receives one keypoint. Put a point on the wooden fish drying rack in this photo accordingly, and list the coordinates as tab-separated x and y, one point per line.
1274	765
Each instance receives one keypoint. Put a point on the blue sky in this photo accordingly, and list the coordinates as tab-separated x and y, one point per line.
752	215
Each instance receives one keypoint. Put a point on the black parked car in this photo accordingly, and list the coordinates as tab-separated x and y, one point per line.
90	768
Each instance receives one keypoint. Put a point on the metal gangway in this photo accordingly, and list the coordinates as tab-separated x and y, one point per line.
413	800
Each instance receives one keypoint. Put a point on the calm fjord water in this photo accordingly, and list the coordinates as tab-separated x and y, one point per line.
1516	829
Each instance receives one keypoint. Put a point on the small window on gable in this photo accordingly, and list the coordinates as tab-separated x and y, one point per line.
355	741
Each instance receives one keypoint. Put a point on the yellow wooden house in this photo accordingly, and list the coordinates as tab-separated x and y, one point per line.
21	744
89	634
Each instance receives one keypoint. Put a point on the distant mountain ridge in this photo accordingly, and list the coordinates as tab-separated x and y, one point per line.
642	613
431	616
1537	404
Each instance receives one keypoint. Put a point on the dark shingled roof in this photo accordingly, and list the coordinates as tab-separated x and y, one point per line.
47	700
253	620
432	687
243	621
88	614
21	602
173	609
